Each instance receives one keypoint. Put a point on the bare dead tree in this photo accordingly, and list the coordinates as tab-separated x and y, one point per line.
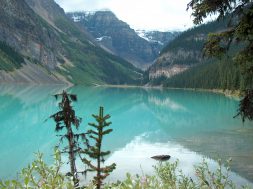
66	119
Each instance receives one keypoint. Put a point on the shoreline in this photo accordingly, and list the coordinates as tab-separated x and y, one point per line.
235	94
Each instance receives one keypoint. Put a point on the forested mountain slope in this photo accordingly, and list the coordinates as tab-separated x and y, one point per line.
182	64
216	75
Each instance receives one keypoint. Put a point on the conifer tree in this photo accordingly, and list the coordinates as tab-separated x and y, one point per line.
66	118
95	152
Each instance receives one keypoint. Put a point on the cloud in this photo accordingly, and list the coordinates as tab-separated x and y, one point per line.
139	14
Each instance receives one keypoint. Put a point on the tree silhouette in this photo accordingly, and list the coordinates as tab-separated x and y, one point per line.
95	151
66	118
245	109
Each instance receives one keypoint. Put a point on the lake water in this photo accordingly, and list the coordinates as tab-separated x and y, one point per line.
187	125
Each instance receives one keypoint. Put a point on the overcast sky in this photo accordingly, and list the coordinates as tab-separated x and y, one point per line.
139	14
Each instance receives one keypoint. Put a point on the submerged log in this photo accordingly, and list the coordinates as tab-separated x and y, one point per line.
161	157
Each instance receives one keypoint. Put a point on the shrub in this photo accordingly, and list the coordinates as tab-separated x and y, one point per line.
168	176
38	175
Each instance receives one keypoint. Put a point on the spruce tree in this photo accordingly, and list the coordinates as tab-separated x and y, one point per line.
95	151
67	119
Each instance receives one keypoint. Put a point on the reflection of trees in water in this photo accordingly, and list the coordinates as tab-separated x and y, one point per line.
192	111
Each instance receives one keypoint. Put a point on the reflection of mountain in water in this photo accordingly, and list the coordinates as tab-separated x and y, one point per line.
31	94
194	112
129	115
201	122
25	108
207	127
167	103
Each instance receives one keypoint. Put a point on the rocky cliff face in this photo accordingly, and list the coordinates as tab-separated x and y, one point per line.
53	48
27	33
168	71
117	37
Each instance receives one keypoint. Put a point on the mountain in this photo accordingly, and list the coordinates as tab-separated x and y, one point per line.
183	52
40	44
182	65
117	37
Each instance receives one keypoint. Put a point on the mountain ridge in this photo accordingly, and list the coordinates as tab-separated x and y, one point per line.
119	38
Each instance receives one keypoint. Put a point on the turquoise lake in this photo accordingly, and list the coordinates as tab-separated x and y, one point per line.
187	125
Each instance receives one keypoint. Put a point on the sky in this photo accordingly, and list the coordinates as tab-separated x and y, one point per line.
160	15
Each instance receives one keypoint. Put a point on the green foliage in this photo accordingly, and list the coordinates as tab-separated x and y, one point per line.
95	152
9	58
218	179
38	175
168	176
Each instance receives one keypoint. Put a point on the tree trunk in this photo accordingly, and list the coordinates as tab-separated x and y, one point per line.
72	157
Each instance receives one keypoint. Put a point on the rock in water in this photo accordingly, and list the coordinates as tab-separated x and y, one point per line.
161	157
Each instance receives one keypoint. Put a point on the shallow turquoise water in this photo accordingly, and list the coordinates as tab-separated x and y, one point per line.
188	125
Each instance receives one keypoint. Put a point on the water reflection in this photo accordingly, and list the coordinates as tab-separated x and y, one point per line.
135	158
207	127
194	122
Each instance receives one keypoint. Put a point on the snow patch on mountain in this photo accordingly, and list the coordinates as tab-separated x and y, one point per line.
102	38
142	34
145	35
79	16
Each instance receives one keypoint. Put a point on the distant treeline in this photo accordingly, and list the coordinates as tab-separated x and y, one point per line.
217	75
